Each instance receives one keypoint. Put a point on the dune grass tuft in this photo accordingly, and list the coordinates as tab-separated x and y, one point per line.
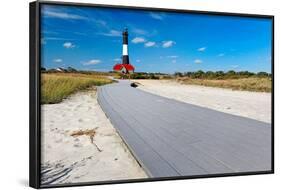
249	84
57	86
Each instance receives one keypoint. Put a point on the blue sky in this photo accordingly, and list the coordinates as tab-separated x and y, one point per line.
88	38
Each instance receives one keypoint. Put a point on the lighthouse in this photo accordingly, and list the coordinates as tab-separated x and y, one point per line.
125	56
125	67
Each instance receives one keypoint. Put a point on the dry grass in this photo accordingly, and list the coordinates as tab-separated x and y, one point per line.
248	84
88	132
57	86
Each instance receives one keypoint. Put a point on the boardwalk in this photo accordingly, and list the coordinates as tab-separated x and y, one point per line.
172	138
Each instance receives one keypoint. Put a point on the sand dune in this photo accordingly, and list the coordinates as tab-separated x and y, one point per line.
255	105
97	155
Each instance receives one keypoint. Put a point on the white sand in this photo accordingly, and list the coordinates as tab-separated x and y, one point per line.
67	159
255	105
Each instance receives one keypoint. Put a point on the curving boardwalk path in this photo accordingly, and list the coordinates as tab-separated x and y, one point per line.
172	138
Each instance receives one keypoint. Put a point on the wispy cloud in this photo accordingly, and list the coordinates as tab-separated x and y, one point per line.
57	38
138	60
269	58
43	41
234	66
68	45
117	59
137	40
112	33
172	56
143	32
202	49
63	15
48	32
101	22
80	33
150	44
221	55
139	31
167	44
156	16
58	60
198	61
92	62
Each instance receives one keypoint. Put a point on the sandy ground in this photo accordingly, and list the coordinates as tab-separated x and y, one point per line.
68	159
255	105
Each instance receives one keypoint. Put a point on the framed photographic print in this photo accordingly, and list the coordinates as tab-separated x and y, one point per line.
131	94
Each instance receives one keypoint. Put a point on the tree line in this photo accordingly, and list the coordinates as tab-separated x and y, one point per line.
221	74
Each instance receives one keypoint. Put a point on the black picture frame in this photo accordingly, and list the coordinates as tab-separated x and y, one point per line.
34	90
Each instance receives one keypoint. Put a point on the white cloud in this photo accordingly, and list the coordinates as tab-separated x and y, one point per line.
56	39
57	60
139	31
137	40
112	33
92	62
174	61
117	59
68	45
234	66
49	32
198	61
167	44
101	22
221	54
149	44
172	56
156	16
138	60
80	33
201	49
43	41
62	15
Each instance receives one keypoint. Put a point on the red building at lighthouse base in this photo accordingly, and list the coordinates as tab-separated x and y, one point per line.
124	68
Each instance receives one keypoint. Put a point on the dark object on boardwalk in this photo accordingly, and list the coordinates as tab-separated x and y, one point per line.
134	85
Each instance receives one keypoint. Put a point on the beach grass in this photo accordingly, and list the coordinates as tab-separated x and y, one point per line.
57	86
256	84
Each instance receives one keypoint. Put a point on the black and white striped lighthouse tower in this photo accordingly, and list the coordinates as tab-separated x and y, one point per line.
125	67
125	55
